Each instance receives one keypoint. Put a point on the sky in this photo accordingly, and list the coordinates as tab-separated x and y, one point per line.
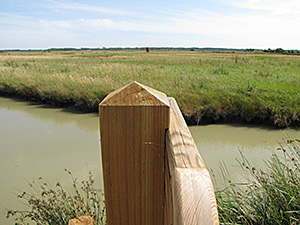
43	24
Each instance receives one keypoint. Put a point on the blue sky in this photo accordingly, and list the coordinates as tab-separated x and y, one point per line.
42	24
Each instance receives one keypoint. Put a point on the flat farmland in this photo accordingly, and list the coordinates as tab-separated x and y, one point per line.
208	86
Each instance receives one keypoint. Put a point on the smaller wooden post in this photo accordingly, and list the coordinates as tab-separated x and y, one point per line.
133	123
83	220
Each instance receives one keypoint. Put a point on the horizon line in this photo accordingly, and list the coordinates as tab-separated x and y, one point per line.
139	47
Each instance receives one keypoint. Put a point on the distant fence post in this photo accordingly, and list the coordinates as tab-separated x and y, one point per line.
153	173
133	122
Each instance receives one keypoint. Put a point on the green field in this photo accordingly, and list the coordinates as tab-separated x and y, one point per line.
208	86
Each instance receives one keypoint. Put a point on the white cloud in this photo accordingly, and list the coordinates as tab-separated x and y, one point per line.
13	19
256	31
262	29
92	24
57	11
273	6
104	24
59	24
70	5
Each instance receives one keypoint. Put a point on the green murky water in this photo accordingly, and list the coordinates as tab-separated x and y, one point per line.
38	140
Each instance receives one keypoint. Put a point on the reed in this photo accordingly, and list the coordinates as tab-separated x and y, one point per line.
270	196
53	205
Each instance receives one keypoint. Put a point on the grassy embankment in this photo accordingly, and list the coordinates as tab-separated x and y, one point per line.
208	86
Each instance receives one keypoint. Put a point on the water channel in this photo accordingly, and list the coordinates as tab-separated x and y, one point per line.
41	141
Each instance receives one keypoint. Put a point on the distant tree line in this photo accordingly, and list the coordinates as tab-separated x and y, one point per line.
282	51
125	48
277	51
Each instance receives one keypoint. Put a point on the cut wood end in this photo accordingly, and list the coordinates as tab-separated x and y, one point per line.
135	94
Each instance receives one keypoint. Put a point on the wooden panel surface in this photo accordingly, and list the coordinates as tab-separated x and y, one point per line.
193	198
133	156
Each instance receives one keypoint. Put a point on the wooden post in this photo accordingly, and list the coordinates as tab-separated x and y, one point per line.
153	172
133	123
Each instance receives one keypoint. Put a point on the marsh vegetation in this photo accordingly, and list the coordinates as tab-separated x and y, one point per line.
269	196
208	86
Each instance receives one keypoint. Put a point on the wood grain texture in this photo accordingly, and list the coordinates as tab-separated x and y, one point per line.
193	198
133	121
152	176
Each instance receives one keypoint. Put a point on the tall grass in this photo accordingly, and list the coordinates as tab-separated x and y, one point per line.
207	86
270	196
53	205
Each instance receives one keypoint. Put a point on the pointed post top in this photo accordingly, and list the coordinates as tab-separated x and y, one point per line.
135	94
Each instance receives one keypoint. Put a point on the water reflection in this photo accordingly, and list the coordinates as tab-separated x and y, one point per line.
58	116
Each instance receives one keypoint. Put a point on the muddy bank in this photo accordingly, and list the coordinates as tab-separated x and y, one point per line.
205	116
78	104
212	117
